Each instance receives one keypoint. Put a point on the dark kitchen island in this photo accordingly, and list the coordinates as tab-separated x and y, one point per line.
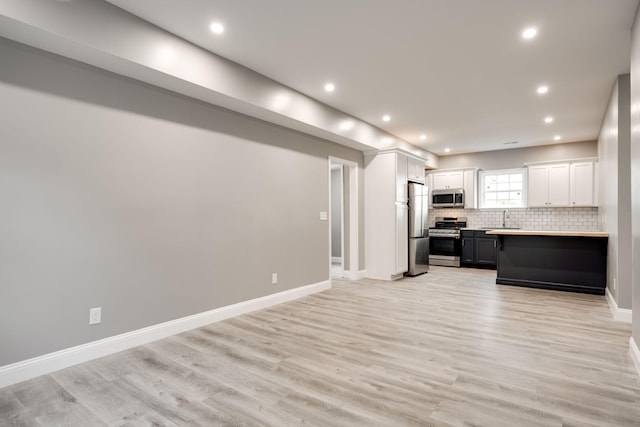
572	261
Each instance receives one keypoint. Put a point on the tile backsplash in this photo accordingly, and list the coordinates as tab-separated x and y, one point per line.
582	219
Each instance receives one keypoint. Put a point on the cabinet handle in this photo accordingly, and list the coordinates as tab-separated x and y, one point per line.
494	244
462	242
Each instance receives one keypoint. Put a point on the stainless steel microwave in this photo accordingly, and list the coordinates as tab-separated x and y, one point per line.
450	198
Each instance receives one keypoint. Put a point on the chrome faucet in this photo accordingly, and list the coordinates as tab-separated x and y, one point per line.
504	218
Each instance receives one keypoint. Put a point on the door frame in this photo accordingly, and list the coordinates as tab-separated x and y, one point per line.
333	220
352	183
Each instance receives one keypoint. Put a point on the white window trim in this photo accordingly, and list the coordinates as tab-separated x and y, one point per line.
525	187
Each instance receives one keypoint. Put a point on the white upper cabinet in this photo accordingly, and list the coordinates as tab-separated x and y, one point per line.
549	185
581	192
596	181
415	170
562	184
470	185
559	185
428	182
448	180
459	178
538	186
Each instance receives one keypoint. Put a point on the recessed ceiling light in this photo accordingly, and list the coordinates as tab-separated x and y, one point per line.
386	118
542	89
529	33
423	137
446	150
557	138
217	27
329	87
548	119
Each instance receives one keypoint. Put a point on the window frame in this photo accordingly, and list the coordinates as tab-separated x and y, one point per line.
481	187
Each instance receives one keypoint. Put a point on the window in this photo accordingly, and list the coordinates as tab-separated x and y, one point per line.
503	188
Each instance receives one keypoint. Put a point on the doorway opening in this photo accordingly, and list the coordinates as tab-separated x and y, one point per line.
343	219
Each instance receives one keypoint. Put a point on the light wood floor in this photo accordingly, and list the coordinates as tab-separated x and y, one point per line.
449	348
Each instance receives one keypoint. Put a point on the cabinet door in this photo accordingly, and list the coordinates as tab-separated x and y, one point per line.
538	186
581	181
448	180
415	170
467	250
402	238
440	181
401	178
456	179
486	249
596	185
559	185
470	189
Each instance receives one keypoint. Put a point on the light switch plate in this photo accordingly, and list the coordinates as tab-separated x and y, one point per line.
323	216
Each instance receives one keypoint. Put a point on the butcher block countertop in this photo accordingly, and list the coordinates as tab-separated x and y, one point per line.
548	233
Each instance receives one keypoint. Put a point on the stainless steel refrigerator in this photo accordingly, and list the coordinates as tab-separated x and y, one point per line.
418	229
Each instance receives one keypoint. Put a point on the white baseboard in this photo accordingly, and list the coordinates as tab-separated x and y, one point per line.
635	354
41	365
619	314
354	275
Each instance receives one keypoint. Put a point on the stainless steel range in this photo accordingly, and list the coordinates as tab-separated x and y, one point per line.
445	247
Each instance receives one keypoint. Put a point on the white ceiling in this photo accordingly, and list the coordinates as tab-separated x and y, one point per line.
456	70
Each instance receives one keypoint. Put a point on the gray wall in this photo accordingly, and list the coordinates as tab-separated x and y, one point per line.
336	212
516	157
615	191
149	204
635	173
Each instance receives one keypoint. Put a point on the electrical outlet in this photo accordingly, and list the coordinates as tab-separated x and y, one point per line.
95	315
274	278
324	216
